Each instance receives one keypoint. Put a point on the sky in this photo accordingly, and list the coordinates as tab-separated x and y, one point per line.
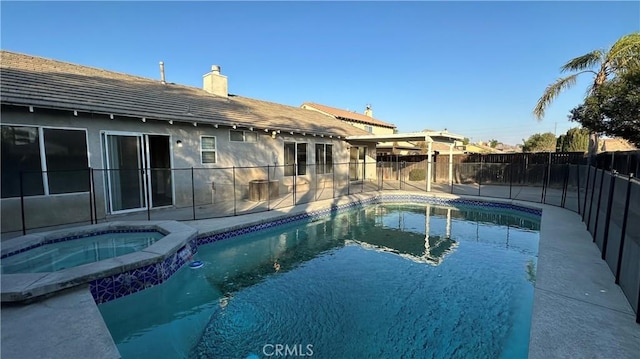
474	68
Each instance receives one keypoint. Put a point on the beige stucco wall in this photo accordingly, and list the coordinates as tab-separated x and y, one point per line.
377	130
267	151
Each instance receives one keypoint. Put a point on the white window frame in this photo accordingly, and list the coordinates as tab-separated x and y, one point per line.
368	128
215	150
244	136
324	160
295	144
43	158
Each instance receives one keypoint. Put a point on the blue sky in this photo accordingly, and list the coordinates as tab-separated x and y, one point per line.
475	68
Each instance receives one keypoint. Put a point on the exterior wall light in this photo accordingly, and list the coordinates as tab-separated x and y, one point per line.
179	143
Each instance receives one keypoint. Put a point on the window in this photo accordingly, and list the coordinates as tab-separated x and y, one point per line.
243	136
52	161
66	155
324	158
295	153
208	149
368	128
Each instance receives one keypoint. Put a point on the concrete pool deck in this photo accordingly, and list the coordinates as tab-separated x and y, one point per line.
578	310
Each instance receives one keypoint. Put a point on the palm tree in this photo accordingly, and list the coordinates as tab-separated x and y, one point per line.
620	58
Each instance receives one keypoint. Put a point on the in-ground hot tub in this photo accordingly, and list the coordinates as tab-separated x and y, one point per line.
55	255
41	264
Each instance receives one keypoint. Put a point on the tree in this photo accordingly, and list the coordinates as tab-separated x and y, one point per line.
465	141
618	59
575	140
545	142
493	143
614	108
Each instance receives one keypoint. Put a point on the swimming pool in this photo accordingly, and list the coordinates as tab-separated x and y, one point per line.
51	257
364	283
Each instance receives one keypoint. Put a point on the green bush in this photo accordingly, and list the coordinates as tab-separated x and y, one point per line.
417	175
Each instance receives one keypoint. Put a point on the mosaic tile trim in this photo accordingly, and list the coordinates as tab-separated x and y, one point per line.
467	202
119	285
375	199
84	235
258	227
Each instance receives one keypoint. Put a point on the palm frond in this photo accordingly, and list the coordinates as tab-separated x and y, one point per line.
625	53
551	92
583	62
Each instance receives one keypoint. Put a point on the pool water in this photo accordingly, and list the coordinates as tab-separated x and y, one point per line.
57	256
366	283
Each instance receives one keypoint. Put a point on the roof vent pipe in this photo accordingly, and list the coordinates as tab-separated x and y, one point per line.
162	73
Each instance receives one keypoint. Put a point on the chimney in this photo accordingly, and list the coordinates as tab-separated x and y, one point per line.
162	73
368	111
214	83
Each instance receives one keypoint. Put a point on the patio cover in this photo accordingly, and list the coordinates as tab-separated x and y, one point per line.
428	136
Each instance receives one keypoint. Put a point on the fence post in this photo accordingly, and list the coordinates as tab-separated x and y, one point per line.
613	159
91	194
608	215
548	177
364	169
399	175
457	171
544	182
193	195
268	188
480	177
381	182
295	183
349	180
593	191
623	232
565	185
628	164
24	225
333	180
578	188
233	173
586	191
315	195
595	228
510	179
147	175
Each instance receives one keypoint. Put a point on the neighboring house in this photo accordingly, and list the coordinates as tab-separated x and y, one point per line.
415	148
480	148
509	148
615	144
59	119
365	122
399	148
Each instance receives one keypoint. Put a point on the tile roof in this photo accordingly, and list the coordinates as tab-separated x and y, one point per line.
616	144
40	82
354	116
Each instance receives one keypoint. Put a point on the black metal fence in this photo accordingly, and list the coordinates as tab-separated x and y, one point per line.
606	195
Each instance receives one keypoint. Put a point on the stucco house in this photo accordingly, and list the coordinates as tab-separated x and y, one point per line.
60	119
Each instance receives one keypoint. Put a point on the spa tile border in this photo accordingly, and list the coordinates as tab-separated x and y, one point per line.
119	285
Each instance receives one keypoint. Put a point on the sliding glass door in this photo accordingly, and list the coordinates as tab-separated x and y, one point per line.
137	162
125	175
